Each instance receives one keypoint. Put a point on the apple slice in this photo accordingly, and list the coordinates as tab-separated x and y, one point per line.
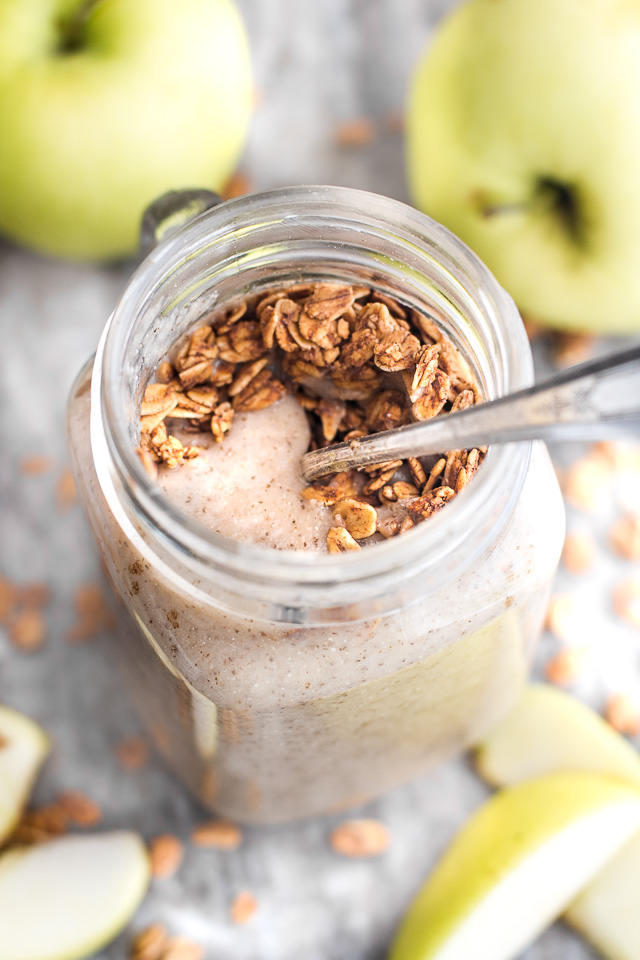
550	730
516	865
23	747
67	898
606	913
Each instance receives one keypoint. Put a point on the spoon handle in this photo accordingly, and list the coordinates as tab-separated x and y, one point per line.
592	401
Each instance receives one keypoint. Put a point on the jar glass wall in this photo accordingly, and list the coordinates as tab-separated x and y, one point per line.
281	684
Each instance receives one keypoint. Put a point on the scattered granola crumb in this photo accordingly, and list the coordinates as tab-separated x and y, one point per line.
8	599
579	553
624	457
150	943
92	613
395	121
183	948
561	617
243	907
66	492
623	713
626	601
533	328
132	753
360	838
587	483
218	834
34	595
625	537
80	809
565	667
571	348
355	133
35	466
237	186
28	631
166	853
41	825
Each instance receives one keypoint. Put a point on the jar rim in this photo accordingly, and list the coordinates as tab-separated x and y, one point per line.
425	544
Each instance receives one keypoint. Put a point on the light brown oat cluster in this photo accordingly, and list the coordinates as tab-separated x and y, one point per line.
358	362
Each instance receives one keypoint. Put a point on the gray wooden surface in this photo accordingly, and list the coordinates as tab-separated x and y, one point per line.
316	63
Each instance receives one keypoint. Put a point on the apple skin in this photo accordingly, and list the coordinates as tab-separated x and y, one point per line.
157	97
512	95
515	865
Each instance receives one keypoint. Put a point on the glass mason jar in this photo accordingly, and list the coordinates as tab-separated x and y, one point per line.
281	684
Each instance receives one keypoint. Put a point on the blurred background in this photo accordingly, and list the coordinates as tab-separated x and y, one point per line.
331	81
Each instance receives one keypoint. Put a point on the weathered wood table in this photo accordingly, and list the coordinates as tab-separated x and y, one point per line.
316	65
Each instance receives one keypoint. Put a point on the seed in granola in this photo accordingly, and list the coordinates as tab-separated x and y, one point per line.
360	838
404	490
243	907
360	519
166	853
217	834
417	472
339	540
434	474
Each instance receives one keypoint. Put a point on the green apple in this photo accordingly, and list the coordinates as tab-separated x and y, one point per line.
23	747
105	105
516	865
607	913
549	730
67	898
524	139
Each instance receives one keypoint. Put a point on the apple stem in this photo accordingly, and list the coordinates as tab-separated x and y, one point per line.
72	28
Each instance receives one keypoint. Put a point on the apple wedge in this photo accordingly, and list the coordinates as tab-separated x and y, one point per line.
550	730
23	747
66	899
606	913
516	865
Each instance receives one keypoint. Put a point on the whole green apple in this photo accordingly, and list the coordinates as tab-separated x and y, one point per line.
104	105
524	139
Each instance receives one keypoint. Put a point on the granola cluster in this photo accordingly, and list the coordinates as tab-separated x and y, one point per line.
358	362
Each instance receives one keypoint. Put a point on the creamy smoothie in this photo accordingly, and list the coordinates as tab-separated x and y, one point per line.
268	720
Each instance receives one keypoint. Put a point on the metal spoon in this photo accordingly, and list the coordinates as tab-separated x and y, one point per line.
592	401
